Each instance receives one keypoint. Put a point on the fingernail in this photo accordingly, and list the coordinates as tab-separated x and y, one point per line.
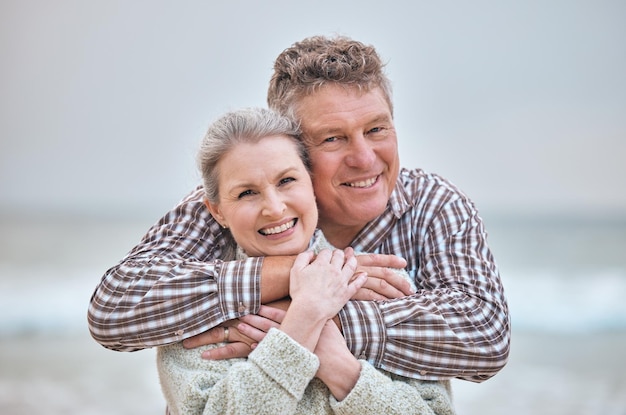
206	355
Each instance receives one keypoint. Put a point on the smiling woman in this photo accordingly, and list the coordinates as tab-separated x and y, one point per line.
258	188
268	206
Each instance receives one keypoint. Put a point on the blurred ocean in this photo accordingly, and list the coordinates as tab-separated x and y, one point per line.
565	279
560	274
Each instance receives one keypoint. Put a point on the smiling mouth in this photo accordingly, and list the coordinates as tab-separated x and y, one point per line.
278	229
363	183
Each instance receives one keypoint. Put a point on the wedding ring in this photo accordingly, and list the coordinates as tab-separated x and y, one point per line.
225	334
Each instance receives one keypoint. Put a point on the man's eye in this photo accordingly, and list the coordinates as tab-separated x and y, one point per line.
375	130
286	180
330	140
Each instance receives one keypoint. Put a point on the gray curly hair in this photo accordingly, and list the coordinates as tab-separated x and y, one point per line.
308	65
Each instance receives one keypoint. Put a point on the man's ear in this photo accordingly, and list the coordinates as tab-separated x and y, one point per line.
214	209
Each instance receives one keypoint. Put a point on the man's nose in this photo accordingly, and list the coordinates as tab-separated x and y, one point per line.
360	152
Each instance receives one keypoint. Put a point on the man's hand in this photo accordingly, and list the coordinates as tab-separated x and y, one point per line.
382	282
243	334
238	345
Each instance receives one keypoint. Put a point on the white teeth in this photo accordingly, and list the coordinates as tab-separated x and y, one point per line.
363	183
278	229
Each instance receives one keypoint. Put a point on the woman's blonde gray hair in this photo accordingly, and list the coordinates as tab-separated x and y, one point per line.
248	125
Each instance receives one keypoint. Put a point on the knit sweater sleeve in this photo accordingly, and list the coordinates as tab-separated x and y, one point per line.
278	368
379	393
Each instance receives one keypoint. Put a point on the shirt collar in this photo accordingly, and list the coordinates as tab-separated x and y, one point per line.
370	237
399	201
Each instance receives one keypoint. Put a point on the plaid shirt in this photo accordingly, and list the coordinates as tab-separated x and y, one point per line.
172	286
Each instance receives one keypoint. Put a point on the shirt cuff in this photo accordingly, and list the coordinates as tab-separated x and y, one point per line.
364	330
239	287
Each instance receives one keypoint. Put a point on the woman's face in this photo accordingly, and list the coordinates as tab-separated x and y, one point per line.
266	197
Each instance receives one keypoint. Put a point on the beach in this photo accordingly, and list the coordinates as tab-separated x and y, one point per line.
547	374
520	105
565	285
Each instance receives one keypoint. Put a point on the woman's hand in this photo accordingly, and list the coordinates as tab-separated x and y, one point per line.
319	287
323	284
339	369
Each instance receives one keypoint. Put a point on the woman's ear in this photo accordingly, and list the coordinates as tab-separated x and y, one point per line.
214	209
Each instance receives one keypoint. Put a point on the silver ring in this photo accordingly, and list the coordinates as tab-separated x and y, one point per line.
226	334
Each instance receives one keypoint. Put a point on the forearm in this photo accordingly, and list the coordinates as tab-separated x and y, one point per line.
134	305
155	301
339	370
432	335
457	323
275	278
302	326
170	286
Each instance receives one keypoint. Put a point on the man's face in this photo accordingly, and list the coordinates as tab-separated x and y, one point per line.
354	152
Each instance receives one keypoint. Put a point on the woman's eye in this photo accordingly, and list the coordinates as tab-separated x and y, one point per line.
330	140
286	180
244	194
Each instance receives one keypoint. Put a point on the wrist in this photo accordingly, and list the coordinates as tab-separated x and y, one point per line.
337	322
341	377
302	326
274	279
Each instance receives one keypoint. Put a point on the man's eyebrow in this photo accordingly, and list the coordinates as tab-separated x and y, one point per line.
384	118
329	130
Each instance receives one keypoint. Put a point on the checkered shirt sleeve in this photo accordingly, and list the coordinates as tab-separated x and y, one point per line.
169	288
457	323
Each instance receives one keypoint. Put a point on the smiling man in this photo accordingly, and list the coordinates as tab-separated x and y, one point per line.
173	285
354	151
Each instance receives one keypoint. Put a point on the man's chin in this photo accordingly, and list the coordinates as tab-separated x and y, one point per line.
364	213
350	209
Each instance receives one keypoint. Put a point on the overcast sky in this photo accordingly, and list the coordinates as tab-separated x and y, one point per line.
103	103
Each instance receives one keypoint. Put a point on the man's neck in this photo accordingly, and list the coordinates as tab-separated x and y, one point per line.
339	236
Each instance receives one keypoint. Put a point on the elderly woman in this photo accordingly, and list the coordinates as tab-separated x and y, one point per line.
257	186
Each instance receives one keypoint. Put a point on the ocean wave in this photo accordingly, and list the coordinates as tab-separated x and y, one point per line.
567	302
41	300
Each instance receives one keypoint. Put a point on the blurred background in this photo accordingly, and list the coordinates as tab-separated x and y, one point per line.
521	104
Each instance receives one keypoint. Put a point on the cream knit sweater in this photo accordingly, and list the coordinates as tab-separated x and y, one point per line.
279	378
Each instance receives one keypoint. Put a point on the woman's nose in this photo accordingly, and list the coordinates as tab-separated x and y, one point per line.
273	205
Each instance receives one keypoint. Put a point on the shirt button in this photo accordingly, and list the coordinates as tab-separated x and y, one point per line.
423	372
241	308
